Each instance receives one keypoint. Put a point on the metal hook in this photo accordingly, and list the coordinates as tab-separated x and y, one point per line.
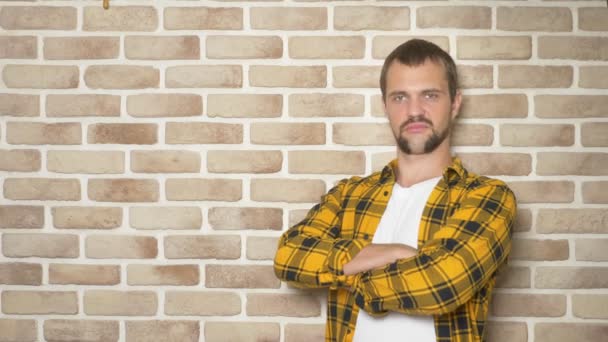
106	4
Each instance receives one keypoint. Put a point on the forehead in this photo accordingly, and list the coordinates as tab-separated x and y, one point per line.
427	74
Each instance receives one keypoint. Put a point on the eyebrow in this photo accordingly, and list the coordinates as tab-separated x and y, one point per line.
423	91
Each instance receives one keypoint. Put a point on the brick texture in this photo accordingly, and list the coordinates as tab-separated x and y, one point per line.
39	302
123	303
240	276
121	247
84	274
227	218
81	47
13	330
203	247
187	331
246	332
283	305
20	273
190	303
165	217
38	18
19	105
89	330
162	275
120	18
24	47
41	76
21	216
20	160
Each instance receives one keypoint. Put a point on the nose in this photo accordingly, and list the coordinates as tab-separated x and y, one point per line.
415	107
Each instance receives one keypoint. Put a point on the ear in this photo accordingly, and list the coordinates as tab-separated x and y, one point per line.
456	104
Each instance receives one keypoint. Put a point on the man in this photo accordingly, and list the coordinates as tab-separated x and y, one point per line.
409	253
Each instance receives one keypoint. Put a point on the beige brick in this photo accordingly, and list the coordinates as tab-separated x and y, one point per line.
568	47
291	305
475	76
567	220
553	19
460	17
203	133
287	190
494	164
570	106
488	47
286	133
591	249
38	18
120	247
244	47
203	18
327	162
21	216
379	160
288	76
494	106
123	190
38	133
244	161
593	77
164	105
81	330
204	76
39	302
121	77
68	105
294	18
92	162
472	135
165	217
20	160
356	76
595	192
533	76
81	47
524	135
122	133
528	305
204	189
523	220
120	18
20	273
229	218
240	276
590	306
261	247
327	47
357	18
304	332
326	105
514	277
163	275
377	106
593	18
382	46
42	189
540	250
242	332
150	331
191	303
507	331
563	332
572	163
162	47
18	47
84	274
593	134
87	217
40	76
361	134
203	247
297	215
543	191
19	105
170	161
120	303
18	330
245	105
571	277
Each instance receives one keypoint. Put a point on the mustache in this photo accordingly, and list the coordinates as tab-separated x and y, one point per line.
415	119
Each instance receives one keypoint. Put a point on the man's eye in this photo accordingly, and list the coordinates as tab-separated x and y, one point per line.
399	98
432	96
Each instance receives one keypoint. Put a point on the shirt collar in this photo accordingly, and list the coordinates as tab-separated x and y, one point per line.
453	172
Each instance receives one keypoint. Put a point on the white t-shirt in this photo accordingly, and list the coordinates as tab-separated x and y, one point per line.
399	224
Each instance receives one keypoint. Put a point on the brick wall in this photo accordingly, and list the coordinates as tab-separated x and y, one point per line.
152	154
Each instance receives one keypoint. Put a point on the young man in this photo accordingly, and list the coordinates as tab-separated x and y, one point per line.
409	253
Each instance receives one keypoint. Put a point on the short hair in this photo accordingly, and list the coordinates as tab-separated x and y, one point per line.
415	52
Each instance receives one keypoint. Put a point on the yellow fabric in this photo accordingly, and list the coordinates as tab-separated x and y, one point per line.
464	236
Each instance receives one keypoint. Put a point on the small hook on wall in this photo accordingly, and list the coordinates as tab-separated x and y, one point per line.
106	4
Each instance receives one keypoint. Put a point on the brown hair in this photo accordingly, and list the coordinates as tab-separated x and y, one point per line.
415	52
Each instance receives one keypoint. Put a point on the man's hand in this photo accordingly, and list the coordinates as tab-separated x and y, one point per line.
377	255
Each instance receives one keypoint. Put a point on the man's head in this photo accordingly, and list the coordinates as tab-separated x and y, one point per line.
421	97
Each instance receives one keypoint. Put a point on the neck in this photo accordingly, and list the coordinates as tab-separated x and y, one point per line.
416	168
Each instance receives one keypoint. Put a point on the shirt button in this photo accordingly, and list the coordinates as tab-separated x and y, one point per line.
386	193
365	237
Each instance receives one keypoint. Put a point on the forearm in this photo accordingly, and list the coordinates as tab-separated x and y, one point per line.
377	255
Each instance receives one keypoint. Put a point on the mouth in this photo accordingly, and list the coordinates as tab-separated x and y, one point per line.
415	127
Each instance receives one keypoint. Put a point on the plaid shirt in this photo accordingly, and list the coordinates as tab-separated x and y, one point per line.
464	236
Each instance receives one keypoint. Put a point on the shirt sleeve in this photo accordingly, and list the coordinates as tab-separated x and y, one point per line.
311	253
453	265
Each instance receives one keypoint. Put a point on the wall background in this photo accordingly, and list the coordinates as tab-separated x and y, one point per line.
152	154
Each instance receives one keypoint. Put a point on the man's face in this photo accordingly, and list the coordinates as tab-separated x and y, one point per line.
418	106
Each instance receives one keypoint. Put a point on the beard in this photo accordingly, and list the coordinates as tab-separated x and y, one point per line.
430	144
